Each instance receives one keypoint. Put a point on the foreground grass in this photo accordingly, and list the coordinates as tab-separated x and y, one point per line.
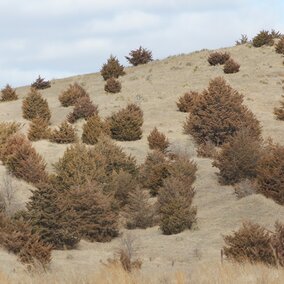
213	273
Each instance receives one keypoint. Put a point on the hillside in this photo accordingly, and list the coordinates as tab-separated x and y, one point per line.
156	88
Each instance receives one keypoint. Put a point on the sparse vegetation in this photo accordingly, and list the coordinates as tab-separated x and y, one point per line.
139	56
8	94
231	66
64	134
218	58
70	96
112	69
125	125
34	106
279	111
40	84
187	101
242	40
112	85
158	140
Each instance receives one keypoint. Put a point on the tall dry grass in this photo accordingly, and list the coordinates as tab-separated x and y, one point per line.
212	273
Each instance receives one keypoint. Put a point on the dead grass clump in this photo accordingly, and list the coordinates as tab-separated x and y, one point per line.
216	58
245	188
83	108
270	173
112	68
51	219
95	218
139	56
279	48
64	134
158	140
139	212
153	171
34	105
175	206
187	101
238	158
254	243
231	66
21	160
279	112
93	129
8	94
263	38
125	125
39	129
112	86
218	114
40	84
72	94
206	150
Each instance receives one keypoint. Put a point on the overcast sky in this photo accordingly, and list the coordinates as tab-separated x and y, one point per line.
59	38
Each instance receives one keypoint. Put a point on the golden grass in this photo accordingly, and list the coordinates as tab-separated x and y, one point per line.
227	273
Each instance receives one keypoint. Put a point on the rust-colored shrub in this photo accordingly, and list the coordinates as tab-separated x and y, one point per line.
83	108
51	219
38	129
216	58
112	68
206	150
238	159
154	170
187	101
277	241
175	206
279	48
139	56
139	212
40	84
218	114
93	129
8	94
231	66
34	105
112	85
95	218
263	38
72	94
21	160
125	125
252	243
64	134
279	112
270	173
158	140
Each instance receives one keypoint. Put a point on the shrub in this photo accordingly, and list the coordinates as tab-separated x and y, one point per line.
154	170
238	158
187	101
16	237
84	108
64	134
158	141
139	56
34	105
279	112
270	173
125	125
252	243
8	94
51	219
112	85
38	129
243	40
231	66
174	206
219	113
263	38
206	150
139	212
40	84
245	188
279	48
277	241
22	161
112	68
216	58
93	129
72	94
96	221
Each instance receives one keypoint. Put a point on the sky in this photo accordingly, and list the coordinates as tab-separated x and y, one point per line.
61	38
